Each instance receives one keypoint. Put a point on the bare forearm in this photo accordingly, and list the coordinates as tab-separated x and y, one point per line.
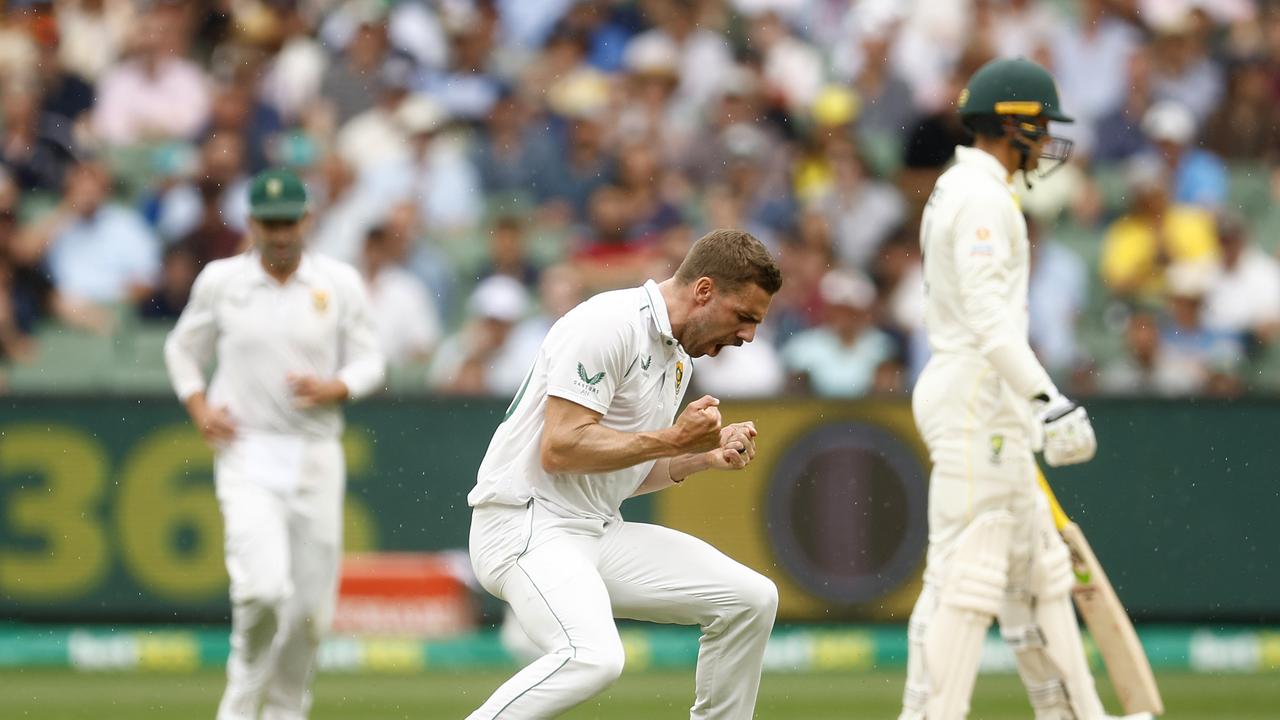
669	471
593	448
196	405
30	244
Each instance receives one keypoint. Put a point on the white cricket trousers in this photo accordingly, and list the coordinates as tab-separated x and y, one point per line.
568	578
283	546
993	553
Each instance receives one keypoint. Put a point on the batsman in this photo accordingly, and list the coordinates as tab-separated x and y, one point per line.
983	405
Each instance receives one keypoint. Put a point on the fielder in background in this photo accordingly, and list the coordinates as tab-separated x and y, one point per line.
591	427
983	404
293	339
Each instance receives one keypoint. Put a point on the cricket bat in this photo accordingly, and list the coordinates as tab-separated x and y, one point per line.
1108	623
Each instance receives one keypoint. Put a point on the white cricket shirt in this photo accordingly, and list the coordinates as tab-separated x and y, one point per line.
976	270
613	354
316	323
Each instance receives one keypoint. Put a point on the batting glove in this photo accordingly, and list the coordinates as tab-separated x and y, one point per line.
1066	435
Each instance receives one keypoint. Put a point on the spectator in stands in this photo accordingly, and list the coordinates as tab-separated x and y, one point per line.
899	277
99	253
348	85
66	94
1088	59
560	289
610	255
508	253
1118	135
36	146
632	127
1243	128
438	174
220	184
346	206
466	362
861	210
511	154
585	164
213	238
236	111
1184	71
797	305
178	270
1199	177
406	316
93	34
1056	297
292	78
157	94
1146	368
792	68
1244	298
1155	232
753	370
1211	359
884	98
375	138
468	87
843	356
705	54
649	188
651	113
24	290
20	26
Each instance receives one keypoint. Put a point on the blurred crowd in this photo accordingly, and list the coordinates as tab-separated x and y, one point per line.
489	163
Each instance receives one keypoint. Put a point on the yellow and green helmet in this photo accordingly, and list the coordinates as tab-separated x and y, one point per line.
1012	86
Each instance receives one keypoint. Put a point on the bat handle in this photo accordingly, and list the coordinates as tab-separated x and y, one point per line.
1060	518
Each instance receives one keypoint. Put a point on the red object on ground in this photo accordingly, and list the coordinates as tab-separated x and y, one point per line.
404	594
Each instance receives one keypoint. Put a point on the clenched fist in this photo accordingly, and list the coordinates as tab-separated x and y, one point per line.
698	427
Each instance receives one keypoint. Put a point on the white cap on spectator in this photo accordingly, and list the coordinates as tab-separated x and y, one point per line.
1145	172
847	289
652	54
499	297
744	140
1169	121
1190	279
421	114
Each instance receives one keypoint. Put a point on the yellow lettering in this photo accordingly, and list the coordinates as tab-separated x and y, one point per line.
167	517
61	509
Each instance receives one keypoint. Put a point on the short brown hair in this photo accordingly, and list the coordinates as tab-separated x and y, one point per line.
732	258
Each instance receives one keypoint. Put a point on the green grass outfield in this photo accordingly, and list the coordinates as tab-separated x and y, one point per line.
71	695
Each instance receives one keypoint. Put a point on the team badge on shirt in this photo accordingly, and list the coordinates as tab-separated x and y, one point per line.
679	374
320	300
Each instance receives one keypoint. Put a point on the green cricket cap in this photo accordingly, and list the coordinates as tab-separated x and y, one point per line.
277	195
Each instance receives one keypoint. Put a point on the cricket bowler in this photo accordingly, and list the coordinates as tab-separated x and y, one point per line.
595	423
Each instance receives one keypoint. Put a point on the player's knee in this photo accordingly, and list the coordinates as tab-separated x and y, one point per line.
598	669
265	591
1052	576
758	596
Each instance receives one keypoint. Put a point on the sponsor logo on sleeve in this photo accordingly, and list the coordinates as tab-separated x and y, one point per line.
587	382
